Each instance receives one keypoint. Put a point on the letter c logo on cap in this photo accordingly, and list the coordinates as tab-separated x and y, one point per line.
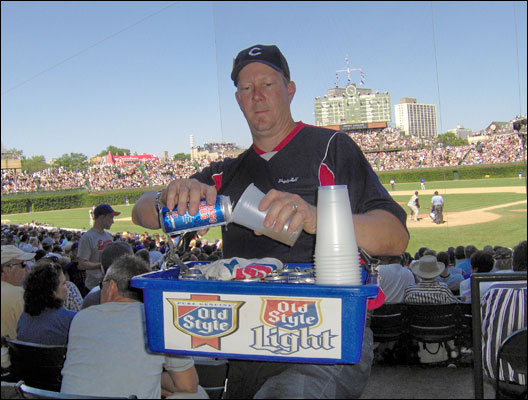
255	51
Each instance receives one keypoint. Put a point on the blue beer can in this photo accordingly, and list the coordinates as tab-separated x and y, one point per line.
207	216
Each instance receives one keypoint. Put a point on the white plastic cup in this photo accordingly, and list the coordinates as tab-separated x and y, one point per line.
246	213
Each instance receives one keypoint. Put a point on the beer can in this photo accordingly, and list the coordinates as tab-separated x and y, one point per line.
207	216
192	277
307	280
194	270
249	279
274	278
296	275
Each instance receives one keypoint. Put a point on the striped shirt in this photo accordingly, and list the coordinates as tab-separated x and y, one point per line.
503	312
427	292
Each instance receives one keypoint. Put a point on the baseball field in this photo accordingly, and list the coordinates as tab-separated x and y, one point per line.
478	212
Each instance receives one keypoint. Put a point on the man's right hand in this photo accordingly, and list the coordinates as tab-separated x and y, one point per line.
179	192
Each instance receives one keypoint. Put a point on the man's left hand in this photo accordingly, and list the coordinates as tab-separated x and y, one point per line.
285	205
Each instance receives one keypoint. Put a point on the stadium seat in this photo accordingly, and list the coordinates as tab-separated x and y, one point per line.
513	352
387	322
28	392
37	364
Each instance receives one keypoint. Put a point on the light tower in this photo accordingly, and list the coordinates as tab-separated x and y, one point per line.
191	139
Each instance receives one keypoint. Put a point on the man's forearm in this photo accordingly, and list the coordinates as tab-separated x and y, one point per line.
380	233
86	265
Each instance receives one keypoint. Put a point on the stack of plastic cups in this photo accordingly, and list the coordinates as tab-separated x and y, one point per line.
336	253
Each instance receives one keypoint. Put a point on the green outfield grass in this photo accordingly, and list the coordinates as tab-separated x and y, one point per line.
437	185
509	230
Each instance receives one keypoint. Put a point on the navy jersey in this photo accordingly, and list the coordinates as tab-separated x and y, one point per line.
308	158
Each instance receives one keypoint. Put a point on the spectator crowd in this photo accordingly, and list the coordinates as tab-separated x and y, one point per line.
384	151
54	285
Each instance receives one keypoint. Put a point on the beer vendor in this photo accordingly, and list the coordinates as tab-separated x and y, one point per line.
288	160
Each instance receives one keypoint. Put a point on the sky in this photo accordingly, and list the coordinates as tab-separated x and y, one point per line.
77	77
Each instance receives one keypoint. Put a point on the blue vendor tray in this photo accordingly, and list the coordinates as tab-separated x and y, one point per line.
285	322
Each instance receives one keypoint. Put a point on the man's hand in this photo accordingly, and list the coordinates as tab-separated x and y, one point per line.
285	205
179	192
183	191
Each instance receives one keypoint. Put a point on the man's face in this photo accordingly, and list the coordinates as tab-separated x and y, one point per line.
108	220
61	289
14	272
264	98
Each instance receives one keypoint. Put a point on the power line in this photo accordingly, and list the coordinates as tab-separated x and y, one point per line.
87	48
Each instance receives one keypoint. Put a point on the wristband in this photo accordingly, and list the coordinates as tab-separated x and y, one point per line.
158	195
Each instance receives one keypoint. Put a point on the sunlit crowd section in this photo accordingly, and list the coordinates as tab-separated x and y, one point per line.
385	150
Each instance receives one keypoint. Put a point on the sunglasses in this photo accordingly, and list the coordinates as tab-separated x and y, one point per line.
101	283
20	264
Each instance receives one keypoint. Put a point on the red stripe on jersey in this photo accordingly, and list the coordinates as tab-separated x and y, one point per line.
217	178
326	176
285	141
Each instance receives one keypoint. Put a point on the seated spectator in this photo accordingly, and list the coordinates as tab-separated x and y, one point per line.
44	320
519	257
459	255
451	279
480	262
503	312
503	257
111	252
107	350
394	278
465	265
428	291
73	300
77	276
13	272
144	255
24	245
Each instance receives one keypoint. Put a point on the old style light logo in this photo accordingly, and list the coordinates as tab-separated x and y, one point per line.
289	325
205	318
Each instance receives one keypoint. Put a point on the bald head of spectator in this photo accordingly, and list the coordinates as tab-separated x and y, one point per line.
112	252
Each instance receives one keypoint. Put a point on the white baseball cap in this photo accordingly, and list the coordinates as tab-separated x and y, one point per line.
10	252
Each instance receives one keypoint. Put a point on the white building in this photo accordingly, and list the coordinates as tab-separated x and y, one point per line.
461	132
416	119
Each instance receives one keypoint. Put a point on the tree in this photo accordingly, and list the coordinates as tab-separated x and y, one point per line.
72	161
13	152
33	164
181	156
116	151
451	139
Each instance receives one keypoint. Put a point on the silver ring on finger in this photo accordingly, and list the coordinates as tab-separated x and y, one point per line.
294	205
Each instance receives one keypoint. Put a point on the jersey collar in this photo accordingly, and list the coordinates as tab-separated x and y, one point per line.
285	141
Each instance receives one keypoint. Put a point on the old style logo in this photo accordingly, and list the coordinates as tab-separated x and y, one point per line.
205	318
290	314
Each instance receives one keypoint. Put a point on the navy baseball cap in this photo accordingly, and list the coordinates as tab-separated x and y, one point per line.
269	55
104	209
